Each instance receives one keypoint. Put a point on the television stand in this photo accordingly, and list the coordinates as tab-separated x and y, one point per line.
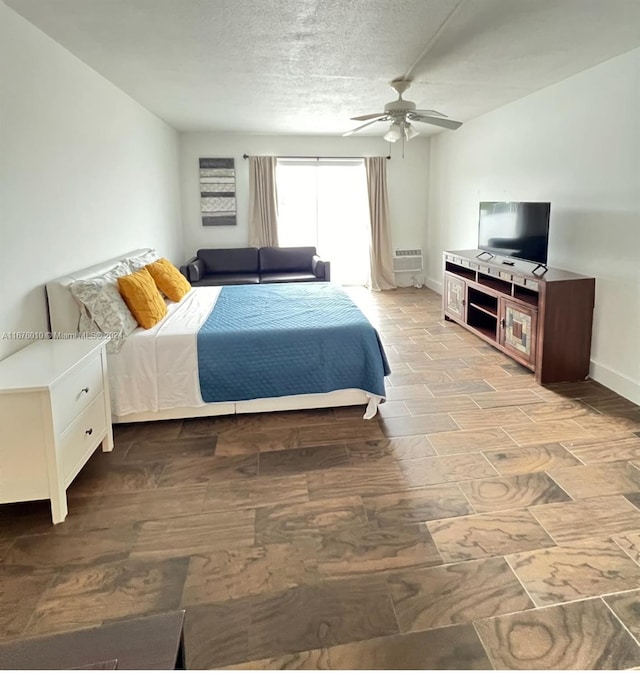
543	321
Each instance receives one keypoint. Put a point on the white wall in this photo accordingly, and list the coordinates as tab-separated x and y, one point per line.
407	179
85	173
576	144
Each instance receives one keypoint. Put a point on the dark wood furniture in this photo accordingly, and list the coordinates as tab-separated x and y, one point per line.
542	320
145	643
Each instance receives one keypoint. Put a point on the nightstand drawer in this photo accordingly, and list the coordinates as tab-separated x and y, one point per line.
75	391
81	438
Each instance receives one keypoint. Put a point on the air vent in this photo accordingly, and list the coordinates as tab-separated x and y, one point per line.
407	260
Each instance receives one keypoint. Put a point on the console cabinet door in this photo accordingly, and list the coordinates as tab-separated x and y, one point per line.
454	297
518	330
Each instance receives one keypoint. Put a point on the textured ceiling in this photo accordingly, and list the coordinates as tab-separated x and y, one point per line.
307	66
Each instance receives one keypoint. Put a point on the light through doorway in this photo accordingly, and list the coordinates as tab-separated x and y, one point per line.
324	203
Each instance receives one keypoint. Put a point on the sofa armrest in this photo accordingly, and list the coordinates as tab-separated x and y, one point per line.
184	269
195	269
321	268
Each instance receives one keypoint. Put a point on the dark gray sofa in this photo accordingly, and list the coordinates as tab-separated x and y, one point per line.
244	266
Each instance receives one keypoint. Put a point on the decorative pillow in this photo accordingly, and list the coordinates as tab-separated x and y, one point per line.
143	298
139	262
168	279
104	306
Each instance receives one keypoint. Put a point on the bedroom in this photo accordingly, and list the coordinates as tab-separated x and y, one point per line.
83	163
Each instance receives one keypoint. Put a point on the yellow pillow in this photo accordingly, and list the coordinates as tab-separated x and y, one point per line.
142	297
168	279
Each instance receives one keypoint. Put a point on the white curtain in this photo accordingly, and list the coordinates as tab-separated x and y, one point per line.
382	276
263	202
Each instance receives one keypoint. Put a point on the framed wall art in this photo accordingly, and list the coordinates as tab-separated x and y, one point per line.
218	192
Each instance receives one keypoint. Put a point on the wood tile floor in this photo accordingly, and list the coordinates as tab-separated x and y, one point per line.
478	521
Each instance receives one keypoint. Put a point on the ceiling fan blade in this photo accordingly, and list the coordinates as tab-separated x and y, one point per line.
364	118
437	121
348	133
430	113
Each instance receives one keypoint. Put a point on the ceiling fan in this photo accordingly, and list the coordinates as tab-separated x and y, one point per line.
401	113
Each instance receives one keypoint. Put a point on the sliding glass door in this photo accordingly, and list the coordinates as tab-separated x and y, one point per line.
323	202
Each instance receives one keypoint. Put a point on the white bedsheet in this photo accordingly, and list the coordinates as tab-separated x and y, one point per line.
151	373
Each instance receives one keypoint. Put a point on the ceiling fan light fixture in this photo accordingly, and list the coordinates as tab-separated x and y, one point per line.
394	133
410	131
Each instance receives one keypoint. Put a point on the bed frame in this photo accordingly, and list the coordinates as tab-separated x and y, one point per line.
64	316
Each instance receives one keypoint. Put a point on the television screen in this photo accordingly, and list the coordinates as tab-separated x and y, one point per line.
515	229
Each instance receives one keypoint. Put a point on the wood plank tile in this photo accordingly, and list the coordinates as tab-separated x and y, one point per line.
114	509
531	459
279	420
627	608
235	573
459	388
217	635
489	418
102	474
442	469
515	383
585	390
625	447
479	372
513	398
143	450
339	432
485	535
361	550
424	377
549	432
424	650
464	441
586	481
416	505
152	431
491	495
304	459
20	591
62	550
409	392
205	470
630	543
582	635
256	492
238	441
438	405
588	518
198	533
311	616
209	426
571	572
393	410
558	411
389	450
89	596
288	523
417	425
454	594
360	480
608	424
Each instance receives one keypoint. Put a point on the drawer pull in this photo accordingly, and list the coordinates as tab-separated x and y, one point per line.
89	431
85	390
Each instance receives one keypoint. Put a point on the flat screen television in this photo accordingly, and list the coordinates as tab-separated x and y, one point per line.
515	229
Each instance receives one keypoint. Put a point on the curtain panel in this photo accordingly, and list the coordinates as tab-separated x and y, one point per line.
263	202
382	276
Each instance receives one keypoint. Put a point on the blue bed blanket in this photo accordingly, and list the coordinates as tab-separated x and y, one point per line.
287	339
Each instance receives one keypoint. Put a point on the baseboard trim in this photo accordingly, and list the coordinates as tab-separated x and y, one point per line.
615	381
435	285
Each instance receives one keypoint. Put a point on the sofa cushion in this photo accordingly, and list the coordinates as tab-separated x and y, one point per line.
286	259
229	260
228	279
288	277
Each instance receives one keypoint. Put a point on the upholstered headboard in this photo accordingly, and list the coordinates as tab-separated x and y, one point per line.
64	313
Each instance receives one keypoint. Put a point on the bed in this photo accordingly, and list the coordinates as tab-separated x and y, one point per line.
237	349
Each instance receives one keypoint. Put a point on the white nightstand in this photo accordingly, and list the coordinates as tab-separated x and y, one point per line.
54	412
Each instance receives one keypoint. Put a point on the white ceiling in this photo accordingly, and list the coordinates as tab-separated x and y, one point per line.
307	66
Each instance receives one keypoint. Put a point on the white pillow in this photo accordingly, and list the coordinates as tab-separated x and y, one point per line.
139	262
104	305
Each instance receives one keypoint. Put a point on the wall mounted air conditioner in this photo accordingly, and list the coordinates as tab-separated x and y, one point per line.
407	261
